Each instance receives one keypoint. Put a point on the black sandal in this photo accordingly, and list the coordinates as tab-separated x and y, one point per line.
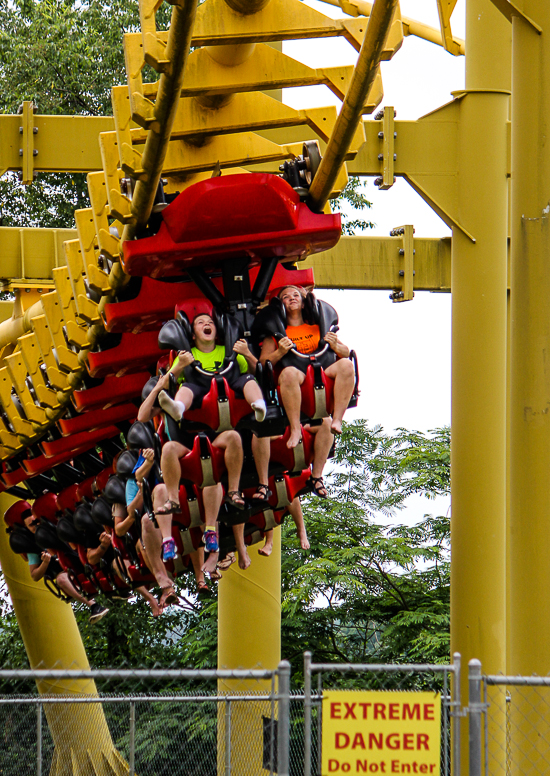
318	485
231	498
169	508
262	493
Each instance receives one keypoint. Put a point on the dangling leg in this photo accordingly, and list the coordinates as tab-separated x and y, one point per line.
321	448
295	510
261	451
253	395
212	499
290	381
176	407
343	374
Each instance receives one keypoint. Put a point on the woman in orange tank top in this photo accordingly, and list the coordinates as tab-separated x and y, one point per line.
305	337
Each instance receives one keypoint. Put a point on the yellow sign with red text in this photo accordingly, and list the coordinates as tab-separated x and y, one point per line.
381	732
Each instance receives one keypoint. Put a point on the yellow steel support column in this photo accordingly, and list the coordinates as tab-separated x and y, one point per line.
82	740
478	285
530	376
249	636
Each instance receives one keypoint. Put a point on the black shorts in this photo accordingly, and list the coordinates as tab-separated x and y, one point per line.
199	391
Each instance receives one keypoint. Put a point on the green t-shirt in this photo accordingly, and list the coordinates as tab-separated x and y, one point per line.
212	362
33	559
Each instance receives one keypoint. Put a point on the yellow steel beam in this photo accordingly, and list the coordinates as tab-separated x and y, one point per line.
349	117
445	9
355	262
64	143
511	10
409	26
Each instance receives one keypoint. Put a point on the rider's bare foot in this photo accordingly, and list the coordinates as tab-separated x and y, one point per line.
267	549
302	537
336	426
244	560
294	438
210	564
156	609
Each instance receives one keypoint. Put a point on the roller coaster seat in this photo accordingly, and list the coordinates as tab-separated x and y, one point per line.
68	498
271	321
16	514
101	479
46	506
177	334
85	489
112	391
128	355
263	522
294	459
22	541
204	464
285	488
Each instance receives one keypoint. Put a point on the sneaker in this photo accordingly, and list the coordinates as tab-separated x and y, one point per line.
210	539
168	549
97	612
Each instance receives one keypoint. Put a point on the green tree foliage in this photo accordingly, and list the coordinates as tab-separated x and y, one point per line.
368	591
351	202
65	55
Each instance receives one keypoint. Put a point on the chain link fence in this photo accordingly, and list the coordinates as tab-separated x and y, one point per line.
178	722
514	724
147	722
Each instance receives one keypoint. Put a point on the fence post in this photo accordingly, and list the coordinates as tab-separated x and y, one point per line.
39	739
227	737
455	715
132	755
475	710
307	713
283	727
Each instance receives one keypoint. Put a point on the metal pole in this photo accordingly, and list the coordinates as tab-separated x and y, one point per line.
455	715
283	728
307	713
39	739
272	730
319	721
479	326
132	755
475	709
351	111
227	738
446	720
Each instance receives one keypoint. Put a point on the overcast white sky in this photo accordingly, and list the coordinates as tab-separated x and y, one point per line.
404	349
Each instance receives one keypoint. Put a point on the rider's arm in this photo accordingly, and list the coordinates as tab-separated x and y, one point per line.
336	345
241	347
273	352
147	410
38	570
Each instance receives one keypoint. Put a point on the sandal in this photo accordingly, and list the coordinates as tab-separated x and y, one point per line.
262	493
169	508
202	588
317	486
227	562
235	498
167	597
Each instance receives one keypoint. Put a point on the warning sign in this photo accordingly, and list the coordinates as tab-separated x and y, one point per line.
381	732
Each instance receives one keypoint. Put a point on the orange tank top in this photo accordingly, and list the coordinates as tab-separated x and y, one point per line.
306	337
